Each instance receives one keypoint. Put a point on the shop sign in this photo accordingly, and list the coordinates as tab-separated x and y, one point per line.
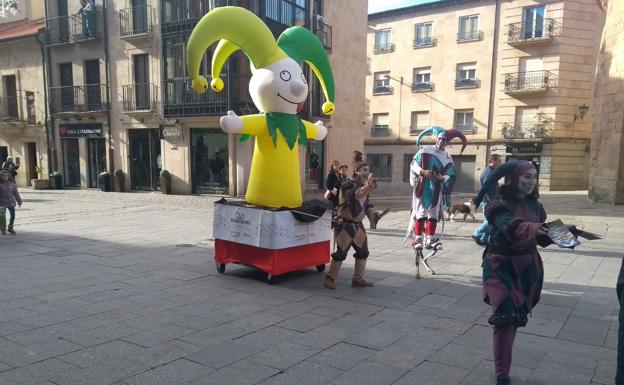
524	148
80	130
171	132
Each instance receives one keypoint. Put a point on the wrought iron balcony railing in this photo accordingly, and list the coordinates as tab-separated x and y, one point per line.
465	127
382	90
383	48
425	42
139	97
530	33
380	130
469	36
179	99
324	32
73	99
418	129
18	108
73	28
467	83
530	82
422	86
136	21
526	130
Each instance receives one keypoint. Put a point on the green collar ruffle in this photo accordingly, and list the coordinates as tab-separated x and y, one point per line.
290	126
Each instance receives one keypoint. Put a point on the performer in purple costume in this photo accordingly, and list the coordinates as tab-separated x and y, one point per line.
513	273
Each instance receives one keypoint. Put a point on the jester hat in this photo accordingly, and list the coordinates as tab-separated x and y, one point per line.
447	134
238	28
512	167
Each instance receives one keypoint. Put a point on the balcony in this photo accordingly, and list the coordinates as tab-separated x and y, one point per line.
73	28
383	48
180	100
380	130
530	130
323	31
467	83
467	128
139	98
522	34
422	87
425	42
417	130
19	108
532	82
467	36
383	90
136	21
78	99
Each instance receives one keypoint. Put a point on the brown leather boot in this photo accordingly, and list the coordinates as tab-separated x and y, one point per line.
358	275
332	274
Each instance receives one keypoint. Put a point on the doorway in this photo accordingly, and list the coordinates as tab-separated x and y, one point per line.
63	20
67	89
4	154
97	159
145	160
31	165
141	81
139	16
465	171
209	161
71	162
10	93
93	97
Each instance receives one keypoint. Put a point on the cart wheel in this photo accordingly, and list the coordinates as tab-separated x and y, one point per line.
221	267
320	268
270	279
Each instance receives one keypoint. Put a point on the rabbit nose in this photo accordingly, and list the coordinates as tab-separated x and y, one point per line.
297	88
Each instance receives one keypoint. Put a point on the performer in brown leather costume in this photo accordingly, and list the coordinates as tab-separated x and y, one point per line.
348	228
374	216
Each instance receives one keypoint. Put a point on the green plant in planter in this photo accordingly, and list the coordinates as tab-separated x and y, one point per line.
119	181
165	182
38	183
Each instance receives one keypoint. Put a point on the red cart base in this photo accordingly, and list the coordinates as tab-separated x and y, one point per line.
272	262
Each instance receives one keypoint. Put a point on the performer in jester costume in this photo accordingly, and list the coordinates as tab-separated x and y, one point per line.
432	176
278	89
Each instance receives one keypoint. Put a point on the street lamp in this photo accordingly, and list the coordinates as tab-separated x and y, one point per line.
581	111
400	81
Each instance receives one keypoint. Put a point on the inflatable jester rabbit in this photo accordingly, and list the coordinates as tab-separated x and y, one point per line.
277	87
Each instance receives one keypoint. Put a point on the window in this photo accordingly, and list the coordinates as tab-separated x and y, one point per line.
382	83
407	162
420	122
422	79
383	41
422	36
466	75
287	12
380	165
380	124
9	106
469	28
464	119
534	22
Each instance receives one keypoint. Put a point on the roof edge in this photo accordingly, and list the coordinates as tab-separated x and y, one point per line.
422	7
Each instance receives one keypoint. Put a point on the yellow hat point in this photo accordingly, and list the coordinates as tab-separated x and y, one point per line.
216	84
199	84
328	108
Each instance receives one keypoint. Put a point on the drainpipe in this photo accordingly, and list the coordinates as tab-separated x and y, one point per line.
40	38
48	65
493	79
111	162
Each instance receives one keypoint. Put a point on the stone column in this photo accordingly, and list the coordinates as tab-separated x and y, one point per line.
606	178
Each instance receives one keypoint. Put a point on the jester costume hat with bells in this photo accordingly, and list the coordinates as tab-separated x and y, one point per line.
431	196
277	87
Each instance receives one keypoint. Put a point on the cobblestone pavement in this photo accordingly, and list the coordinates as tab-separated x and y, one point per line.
110	288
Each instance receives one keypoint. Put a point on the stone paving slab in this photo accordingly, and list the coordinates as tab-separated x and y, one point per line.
120	288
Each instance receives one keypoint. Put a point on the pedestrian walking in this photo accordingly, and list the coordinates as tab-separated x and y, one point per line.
332	183
9	198
482	233
513	272
10	166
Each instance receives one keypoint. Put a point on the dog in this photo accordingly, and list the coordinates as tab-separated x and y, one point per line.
466	209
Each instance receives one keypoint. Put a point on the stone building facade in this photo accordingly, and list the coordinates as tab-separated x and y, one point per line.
514	76
606	180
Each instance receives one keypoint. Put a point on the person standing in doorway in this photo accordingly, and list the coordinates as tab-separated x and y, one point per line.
9	198
482	233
